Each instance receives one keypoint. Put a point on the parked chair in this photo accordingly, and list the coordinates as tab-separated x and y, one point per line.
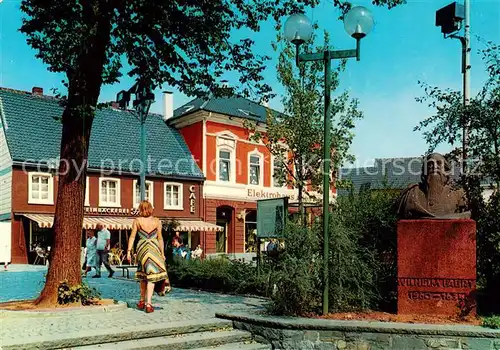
41	255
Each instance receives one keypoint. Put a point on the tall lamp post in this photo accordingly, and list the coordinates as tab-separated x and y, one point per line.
451	18
358	23
144	97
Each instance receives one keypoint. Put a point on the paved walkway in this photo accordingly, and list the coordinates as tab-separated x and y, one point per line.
179	305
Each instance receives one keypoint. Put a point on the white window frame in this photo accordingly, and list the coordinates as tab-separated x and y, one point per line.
273	159
87	192
151	192
232	166
226	141
103	203
180	206
50	197
258	154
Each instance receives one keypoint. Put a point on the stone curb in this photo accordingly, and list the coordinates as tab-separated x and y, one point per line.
85	310
292	323
113	335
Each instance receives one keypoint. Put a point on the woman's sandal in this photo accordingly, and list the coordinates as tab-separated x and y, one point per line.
141	305
149	308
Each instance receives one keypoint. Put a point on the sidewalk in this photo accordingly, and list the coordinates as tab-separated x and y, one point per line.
179	305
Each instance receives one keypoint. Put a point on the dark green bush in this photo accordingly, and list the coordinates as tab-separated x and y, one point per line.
297	273
492	322
73	294
218	274
362	271
371	224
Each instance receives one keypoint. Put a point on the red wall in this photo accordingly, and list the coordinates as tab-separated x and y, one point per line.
193	135
20	195
242	151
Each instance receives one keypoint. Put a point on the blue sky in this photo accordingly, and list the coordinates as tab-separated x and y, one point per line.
404	47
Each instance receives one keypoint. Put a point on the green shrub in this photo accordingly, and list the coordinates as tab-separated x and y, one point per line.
218	274
296	273
80	293
487	216
491	322
371	224
362	260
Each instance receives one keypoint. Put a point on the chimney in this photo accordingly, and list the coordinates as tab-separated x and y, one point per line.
37	91
168	105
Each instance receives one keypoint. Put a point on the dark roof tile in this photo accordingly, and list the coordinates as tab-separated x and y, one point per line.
34	134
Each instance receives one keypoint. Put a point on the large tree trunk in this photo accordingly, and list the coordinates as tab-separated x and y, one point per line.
83	92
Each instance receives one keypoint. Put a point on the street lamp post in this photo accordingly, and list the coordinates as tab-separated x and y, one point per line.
358	22
450	19
144	97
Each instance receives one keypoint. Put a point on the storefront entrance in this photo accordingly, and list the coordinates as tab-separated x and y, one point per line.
224	219
251	231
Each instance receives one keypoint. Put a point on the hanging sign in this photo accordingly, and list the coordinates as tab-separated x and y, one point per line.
192	199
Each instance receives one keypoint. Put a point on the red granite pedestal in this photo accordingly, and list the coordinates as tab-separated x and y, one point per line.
436	267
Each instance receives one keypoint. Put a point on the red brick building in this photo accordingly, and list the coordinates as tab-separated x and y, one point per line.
29	147
238	171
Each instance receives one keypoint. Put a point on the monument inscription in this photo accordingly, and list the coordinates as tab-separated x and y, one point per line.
442	282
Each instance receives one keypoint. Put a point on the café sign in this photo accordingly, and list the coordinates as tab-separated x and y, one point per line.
112	211
192	199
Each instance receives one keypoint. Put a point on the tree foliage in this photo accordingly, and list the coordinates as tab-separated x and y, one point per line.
482	117
298	131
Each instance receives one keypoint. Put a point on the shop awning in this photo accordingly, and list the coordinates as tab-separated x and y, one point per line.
186	225
111	223
121	223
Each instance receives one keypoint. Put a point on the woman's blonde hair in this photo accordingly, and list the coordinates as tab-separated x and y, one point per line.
145	209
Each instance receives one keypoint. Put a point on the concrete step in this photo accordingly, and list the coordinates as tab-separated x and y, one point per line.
83	339
239	346
177	342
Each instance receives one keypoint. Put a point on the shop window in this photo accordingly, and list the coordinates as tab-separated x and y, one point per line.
137	192
173	196
40	188
225	167
109	192
255	170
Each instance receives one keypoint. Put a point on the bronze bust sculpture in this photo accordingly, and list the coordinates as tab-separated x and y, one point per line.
434	196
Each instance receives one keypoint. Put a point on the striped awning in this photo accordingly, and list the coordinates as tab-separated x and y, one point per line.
89	222
121	223
198	225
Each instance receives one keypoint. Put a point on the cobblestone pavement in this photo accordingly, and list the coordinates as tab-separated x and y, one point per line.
179	305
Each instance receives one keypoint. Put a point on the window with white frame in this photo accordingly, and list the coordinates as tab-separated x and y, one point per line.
254	170
87	190
225	165
173	196
137	192
40	188
109	192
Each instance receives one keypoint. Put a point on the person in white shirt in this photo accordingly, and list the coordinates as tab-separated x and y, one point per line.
196	254
102	246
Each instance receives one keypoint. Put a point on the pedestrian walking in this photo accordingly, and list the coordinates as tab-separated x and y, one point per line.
151	269
90	252
103	245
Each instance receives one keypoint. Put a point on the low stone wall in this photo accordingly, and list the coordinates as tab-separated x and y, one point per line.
303	333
